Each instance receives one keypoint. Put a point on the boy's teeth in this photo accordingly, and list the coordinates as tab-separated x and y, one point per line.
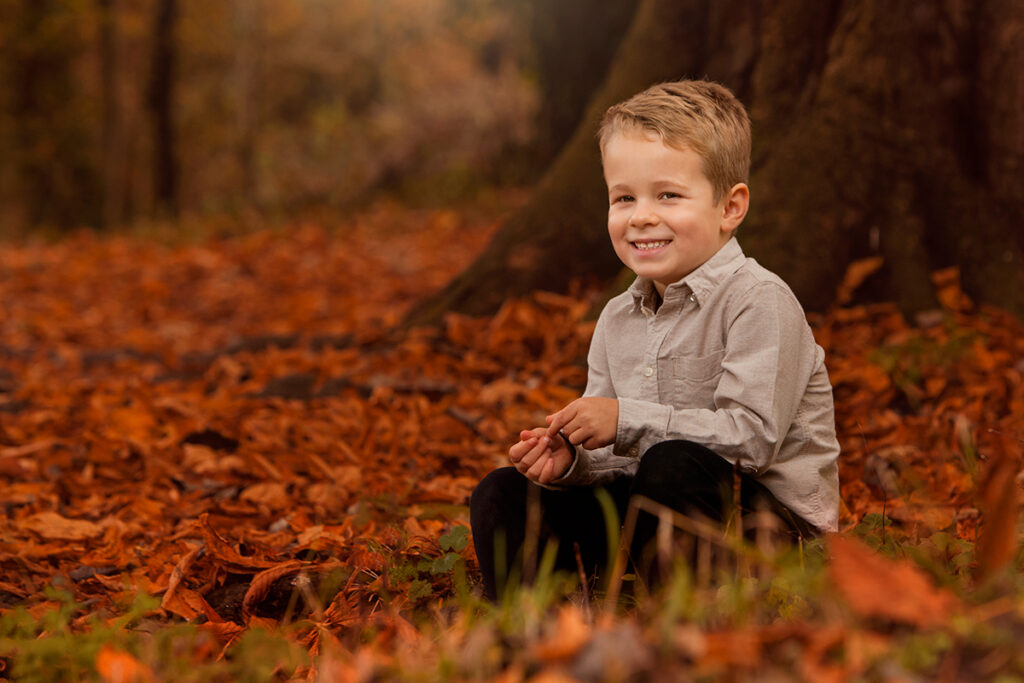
650	245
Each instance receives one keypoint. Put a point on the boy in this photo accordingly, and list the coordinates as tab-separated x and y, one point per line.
705	366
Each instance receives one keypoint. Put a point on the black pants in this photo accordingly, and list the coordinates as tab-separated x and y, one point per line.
682	475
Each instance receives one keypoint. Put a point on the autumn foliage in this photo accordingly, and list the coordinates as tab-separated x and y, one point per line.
238	427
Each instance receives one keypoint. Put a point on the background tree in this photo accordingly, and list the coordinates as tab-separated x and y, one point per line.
161	100
113	111
46	135
573	44
111	134
890	129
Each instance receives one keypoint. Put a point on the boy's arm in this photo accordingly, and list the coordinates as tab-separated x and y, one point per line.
596	465
769	357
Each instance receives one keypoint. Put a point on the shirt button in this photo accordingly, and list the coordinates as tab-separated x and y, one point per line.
748	469
633	452
693	297
648	371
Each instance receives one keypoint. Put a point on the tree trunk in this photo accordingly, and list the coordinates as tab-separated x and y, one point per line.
892	129
55	177
161	105
574	41
111	134
249	19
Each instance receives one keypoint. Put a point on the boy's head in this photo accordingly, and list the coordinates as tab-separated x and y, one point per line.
676	158
700	115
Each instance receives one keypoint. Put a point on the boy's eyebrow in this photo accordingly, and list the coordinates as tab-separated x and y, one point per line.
622	187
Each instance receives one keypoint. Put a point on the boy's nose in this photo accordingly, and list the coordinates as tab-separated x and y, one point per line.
642	215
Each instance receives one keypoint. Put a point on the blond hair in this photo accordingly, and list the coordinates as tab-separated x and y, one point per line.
700	115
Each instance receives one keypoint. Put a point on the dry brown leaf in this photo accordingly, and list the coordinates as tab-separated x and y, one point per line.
179	572
54	527
188	604
224	553
262	582
729	649
117	666
569	633
997	543
271	493
856	273
876	587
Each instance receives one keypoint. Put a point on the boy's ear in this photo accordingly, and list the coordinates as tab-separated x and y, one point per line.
734	206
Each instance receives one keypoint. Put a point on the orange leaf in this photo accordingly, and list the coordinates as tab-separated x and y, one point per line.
188	604
877	587
997	543
262	582
115	666
178	574
54	527
569	635
856	273
728	649
222	551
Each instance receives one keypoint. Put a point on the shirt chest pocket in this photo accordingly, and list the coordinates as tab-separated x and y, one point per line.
694	379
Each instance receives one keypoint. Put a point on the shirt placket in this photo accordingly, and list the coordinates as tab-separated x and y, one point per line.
658	326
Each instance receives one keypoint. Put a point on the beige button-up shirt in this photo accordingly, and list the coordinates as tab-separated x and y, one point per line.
728	361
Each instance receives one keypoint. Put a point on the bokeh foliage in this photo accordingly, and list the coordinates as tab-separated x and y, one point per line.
275	105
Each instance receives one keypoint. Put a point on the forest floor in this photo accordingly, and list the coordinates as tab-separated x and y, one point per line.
221	461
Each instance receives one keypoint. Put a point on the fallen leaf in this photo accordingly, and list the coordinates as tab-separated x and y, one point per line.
568	635
876	587
997	543
116	666
54	527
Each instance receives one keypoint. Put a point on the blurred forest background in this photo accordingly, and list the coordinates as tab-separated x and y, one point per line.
118	111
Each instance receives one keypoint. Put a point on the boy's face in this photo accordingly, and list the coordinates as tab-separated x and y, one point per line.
662	217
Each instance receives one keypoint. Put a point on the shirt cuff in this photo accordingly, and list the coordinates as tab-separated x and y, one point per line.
571	476
641	425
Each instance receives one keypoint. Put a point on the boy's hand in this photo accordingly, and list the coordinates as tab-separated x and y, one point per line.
539	457
590	421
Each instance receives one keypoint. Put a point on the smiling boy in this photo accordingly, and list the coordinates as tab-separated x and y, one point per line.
704	370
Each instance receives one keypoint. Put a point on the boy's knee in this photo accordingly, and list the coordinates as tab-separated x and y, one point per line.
496	489
674	467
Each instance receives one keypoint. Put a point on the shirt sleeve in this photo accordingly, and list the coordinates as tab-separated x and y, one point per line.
600	465
768	358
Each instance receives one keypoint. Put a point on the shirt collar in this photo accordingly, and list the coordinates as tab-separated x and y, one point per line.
701	282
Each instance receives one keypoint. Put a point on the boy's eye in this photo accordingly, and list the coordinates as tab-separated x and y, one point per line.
624	198
670	195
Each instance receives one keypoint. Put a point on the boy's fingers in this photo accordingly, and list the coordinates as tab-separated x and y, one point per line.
547	471
577	435
560	419
533	454
537	468
516	453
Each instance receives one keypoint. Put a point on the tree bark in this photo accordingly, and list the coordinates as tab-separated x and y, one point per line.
574	42
248	17
111	134
161	105
892	129
55	177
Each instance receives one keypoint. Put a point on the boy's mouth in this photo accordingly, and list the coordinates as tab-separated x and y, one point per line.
649	245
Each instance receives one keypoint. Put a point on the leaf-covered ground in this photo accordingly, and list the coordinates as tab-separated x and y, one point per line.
232	427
